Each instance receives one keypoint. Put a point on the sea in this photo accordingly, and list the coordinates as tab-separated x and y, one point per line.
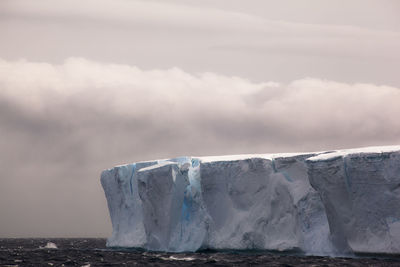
93	252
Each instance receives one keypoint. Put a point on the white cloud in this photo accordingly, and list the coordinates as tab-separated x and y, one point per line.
311	107
60	125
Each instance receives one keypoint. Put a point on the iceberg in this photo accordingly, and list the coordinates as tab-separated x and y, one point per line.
320	203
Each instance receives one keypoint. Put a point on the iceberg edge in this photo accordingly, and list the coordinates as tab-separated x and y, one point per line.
321	203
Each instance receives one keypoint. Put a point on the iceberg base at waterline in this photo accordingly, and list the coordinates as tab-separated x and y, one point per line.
322	203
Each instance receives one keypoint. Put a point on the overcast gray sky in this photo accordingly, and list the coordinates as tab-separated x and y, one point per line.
86	85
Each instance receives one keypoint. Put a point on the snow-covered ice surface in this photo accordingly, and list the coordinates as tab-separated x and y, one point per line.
321	203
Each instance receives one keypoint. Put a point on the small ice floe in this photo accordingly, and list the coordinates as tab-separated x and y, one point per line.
49	245
172	258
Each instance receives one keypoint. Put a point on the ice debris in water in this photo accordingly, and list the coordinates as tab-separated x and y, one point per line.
50	245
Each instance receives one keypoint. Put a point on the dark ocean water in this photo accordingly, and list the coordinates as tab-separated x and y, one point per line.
93	252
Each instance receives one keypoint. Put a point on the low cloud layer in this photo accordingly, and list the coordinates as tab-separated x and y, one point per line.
60	125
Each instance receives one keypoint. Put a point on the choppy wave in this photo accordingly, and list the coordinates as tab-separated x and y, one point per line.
93	252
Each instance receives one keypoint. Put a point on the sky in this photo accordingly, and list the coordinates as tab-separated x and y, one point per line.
86	85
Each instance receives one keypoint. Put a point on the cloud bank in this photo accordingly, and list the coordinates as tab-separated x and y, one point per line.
204	105
60	125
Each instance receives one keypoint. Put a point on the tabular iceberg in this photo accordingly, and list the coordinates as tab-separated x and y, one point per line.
334	202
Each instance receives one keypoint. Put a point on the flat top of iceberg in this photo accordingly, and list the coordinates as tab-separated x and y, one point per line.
344	152
250	156
319	156
158	165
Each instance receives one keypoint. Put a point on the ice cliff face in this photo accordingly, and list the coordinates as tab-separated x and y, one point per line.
320	203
